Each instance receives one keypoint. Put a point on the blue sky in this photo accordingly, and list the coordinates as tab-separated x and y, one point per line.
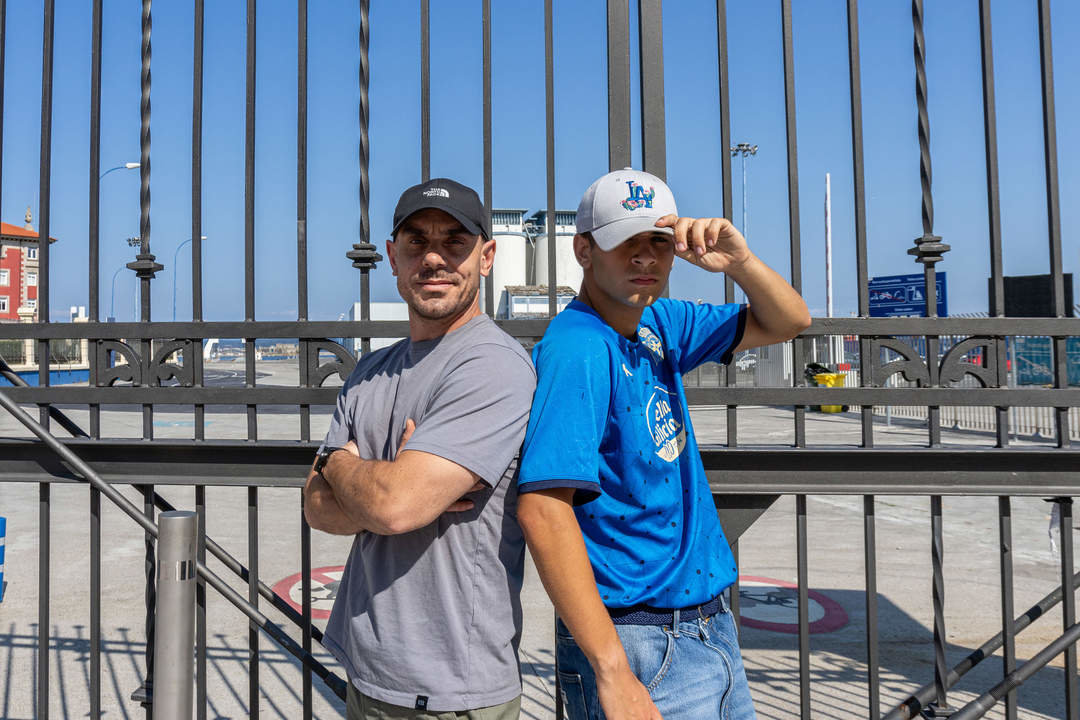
692	117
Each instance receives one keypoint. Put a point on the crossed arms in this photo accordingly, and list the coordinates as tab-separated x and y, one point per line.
387	497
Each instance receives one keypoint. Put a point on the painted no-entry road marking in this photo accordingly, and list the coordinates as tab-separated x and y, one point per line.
764	603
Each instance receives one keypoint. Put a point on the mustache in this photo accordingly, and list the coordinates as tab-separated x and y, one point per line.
434	275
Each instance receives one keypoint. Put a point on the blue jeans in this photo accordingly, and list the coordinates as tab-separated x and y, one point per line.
692	671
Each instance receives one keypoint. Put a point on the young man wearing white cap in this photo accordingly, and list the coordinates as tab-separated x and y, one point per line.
614	501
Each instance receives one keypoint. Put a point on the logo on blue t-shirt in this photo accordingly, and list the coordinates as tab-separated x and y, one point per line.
665	425
648	337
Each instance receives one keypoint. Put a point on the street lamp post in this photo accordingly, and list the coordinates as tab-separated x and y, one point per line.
744	149
176	254
132	242
112	289
125	166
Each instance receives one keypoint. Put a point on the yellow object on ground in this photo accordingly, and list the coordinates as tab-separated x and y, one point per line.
830	380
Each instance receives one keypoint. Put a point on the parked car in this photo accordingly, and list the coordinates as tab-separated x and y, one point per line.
746	363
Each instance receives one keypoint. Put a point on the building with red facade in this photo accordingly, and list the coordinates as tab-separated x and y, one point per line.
19	271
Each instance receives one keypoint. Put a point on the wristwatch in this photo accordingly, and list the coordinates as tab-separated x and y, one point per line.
323	456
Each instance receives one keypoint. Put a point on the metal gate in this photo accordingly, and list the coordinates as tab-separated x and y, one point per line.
155	364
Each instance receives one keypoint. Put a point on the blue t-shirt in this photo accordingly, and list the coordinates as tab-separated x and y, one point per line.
609	418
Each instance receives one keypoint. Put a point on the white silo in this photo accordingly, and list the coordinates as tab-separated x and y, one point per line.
511	249
568	272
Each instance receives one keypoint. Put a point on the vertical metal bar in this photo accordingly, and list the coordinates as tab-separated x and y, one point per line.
941	670
489	281
858	178
1053	206
94	260
734	603
425	90
144	265
363	153
792	150
249	215
95	603
196	163
1061	380
363	38
993	201
728	375
618	67
559	711
176	584
549	124
200	608
44	489
928	247
44	197
1068	602
651	53
150	597
95	165
44	571
301	220
196	238
305	605
1008	652
804	602
301	161
253	598
793	206
873	675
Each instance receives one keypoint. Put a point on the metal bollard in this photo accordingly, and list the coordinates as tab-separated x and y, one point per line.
3	533
175	617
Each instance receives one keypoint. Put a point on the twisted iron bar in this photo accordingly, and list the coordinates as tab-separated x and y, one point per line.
938	552
924	118
144	133
363	77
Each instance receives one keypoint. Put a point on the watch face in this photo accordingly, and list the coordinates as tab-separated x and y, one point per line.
323	456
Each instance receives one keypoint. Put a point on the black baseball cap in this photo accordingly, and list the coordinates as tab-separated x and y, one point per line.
460	201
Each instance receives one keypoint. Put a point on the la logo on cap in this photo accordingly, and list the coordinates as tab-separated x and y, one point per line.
639	197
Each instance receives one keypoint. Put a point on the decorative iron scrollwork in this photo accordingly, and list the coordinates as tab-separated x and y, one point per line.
109	375
954	367
912	365
160	371
343	364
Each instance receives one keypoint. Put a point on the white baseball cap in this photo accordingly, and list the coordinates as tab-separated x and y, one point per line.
622	204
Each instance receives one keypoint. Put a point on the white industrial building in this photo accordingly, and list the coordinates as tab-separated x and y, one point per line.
521	261
396	310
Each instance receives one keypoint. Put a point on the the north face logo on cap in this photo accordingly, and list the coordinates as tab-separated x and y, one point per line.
639	197
437	192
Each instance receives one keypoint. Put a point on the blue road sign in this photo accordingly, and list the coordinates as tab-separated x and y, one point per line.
905	296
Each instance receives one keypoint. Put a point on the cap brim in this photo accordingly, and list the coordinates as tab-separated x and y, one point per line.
452	212
610	236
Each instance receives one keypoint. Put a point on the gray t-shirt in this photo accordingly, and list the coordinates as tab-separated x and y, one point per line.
436	612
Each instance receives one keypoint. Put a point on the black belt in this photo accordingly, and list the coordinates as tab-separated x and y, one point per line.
645	615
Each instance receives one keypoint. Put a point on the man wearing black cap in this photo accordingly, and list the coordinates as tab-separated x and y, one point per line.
418	464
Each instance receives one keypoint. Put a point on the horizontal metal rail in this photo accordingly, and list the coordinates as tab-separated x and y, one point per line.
336	684
747	470
531	327
731	396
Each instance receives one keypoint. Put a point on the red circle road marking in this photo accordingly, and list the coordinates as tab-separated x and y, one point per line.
770	604
324	582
